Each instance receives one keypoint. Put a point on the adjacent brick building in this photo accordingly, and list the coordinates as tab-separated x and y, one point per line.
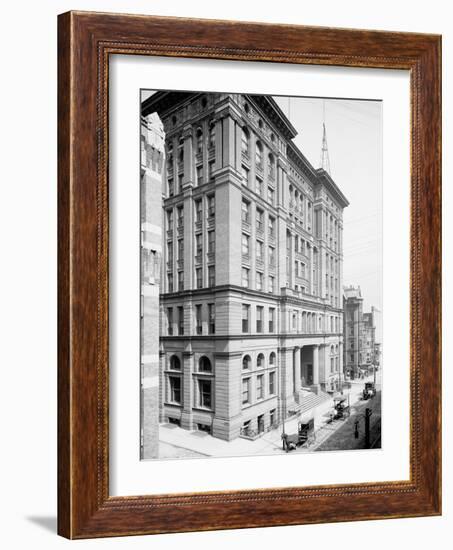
251	294
152	161
359	334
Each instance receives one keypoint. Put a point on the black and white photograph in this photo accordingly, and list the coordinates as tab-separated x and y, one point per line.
261	274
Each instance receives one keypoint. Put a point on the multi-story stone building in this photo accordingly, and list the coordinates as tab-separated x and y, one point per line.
251	309
152	160
359	334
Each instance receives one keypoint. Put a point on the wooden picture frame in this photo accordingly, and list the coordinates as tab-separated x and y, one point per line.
85	41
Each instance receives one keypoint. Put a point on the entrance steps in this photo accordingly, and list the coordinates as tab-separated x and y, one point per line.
309	401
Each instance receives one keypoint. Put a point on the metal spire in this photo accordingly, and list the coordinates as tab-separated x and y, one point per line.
324	161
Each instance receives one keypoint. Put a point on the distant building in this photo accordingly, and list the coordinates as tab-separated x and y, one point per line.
359	334
252	243
151	185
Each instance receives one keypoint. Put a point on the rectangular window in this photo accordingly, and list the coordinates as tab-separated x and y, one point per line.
259	281
211	242
245	245
245	211
175	389
180	320
258	186
271	319
180	280
199	244
245	390
272	417
271	256
199	175
180	212
259	318
259	250
170	321
211	171
199	274
211	275
171	187
271	226
272	383
245	277
260	386
270	195
271	284
170	252
180	249
211	206
205	393
211	318
245	317
170	282
245	176
198	320
259	220
169	220
180	178
198	211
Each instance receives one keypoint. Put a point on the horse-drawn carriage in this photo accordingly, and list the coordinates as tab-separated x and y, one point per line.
305	433
340	407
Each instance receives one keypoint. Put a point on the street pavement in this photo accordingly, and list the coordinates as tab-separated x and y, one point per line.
176	442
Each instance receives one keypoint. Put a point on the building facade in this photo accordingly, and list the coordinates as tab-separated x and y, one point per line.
152	166
359	334
251	301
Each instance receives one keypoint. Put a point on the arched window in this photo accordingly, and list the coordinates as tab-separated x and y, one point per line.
246	362
245	141
199	141
260	360
272	359
259	154
212	135
204	364
175	363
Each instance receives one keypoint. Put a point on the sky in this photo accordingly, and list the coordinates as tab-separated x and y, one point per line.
354	139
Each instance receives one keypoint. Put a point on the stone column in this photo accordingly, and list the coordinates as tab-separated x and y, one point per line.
286	394
316	368
227	395
189	172
187	390
297	381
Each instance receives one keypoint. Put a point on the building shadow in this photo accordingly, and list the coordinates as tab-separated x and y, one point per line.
49	523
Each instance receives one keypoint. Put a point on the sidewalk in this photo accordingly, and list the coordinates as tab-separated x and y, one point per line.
178	442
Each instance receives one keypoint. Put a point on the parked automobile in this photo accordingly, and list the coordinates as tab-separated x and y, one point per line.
369	390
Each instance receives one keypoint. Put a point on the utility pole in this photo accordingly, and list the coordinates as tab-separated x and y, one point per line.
368	414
